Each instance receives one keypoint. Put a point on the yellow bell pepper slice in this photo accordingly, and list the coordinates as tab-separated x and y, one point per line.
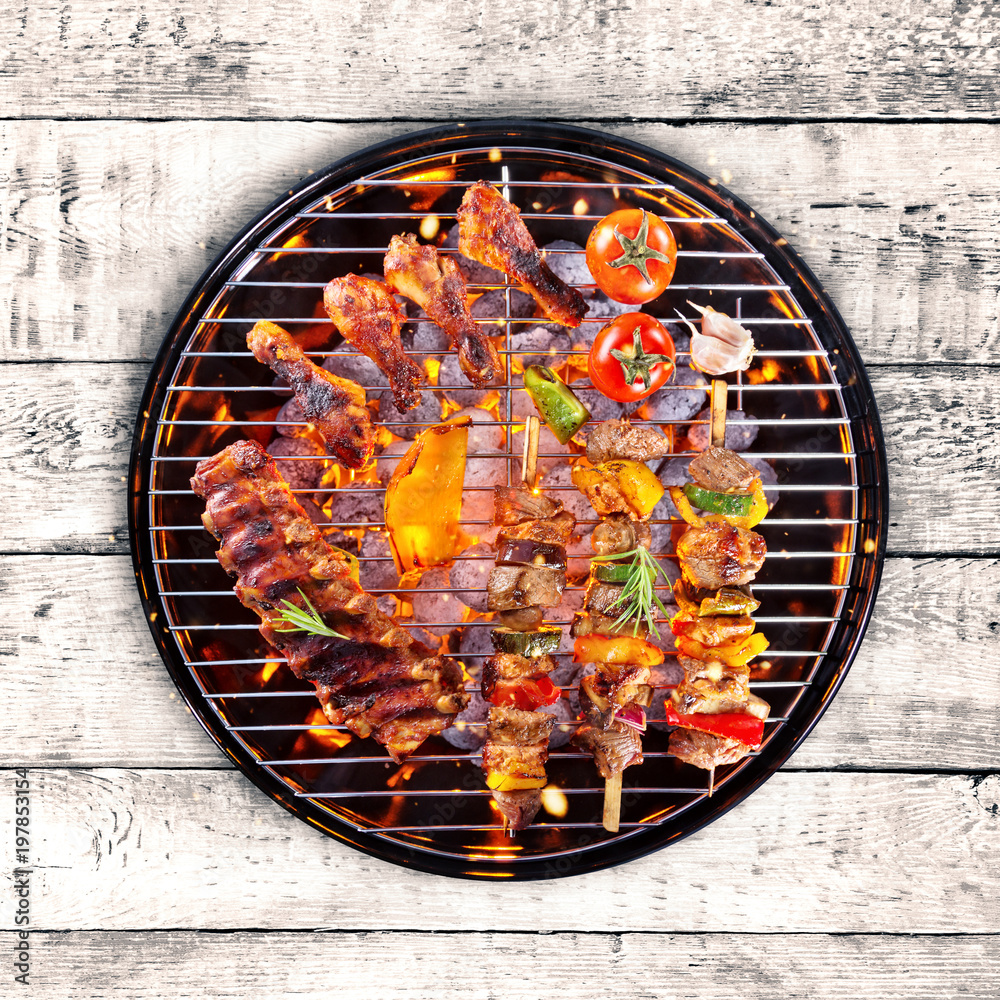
619	485
734	654
618	650
508	783
423	500
684	507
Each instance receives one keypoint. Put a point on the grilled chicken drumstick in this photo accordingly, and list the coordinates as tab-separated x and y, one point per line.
490	230
718	720
530	575
335	405
370	675
436	284
369	318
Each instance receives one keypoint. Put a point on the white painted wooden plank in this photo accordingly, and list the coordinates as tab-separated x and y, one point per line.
734	58
107	225
68	432
185	965
821	852
83	682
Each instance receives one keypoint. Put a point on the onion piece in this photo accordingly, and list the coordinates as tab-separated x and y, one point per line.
721	346
632	715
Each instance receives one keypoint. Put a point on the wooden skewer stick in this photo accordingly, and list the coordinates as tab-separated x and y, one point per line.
711	782
612	802
529	460
717	425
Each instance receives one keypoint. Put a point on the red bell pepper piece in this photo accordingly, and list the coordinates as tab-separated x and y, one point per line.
526	695
748	729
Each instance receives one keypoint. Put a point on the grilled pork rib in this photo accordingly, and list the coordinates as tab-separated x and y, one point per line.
436	284
335	405
369	318
375	679
490	230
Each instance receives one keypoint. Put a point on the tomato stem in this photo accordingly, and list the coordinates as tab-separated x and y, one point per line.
636	252
636	363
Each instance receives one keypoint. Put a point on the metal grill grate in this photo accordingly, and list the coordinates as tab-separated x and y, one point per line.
207	391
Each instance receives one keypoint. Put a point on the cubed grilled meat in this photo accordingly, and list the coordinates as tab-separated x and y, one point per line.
521	619
722	470
619	439
512	667
594	623
717	555
335	405
515	504
618	686
615	748
369	318
705	750
519	586
604	598
711	630
490	230
711	687
373	677
436	284
549	531
619	533
519	807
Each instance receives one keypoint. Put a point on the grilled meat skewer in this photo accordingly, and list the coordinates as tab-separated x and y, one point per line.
490	230
436	284
369	318
612	439
335	405
371	675
719	720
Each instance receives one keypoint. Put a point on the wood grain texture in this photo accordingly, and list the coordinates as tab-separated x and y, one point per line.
68	432
478	966
731	59
140	850
121	708
107	225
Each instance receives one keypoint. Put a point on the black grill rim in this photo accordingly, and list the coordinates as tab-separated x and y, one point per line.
873	496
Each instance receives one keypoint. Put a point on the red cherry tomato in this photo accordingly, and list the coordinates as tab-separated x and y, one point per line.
618	252
636	345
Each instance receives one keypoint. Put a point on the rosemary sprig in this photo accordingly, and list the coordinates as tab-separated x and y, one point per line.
638	594
305	621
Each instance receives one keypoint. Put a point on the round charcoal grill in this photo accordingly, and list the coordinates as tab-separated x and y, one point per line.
806	390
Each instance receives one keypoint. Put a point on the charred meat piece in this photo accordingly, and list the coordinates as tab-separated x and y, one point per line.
619	533
519	807
617	686
512	587
619	439
604	598
718	555
490	230
705	750
710	687
595	623
373	677
335	405
511	667
614	748
555	531
514	504
722	470
438	287
369	318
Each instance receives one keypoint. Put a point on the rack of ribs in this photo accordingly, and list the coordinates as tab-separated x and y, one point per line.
372	677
